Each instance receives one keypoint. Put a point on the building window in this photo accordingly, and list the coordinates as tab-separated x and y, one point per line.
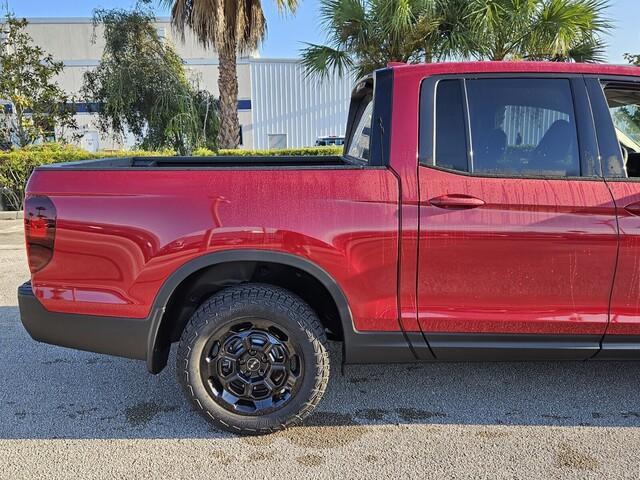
277	140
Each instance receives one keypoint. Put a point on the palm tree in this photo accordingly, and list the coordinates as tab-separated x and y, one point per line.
231	27
558	30
363	35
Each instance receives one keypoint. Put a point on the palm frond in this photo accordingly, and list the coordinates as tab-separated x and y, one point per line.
589	50
320	60
287	6
566	25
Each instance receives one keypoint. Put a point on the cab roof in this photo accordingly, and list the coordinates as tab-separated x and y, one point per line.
449	68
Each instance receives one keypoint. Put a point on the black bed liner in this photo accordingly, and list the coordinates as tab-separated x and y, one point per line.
132	163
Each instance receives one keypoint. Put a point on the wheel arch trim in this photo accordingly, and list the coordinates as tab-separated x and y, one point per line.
155	362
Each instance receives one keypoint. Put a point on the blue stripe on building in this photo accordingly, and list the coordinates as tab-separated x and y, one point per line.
85	107
244	104
93	107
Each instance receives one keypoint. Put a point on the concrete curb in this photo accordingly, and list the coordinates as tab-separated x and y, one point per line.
11	215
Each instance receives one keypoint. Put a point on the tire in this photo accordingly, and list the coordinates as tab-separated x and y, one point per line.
237	347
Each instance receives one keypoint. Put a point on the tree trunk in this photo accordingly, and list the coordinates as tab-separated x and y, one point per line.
229	134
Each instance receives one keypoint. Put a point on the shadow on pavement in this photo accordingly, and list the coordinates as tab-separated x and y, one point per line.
52	392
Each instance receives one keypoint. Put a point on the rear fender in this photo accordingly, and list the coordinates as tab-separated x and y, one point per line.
157	354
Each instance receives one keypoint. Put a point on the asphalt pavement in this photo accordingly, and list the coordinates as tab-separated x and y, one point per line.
70	414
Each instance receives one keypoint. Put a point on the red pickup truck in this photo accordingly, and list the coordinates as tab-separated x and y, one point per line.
481	211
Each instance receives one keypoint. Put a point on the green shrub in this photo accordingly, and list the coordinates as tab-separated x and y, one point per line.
16	165
203	152
305	151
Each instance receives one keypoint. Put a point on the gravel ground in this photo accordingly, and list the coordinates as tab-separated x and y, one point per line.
68	414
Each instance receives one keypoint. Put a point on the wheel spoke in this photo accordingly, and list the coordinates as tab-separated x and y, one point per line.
263	404
229	397
247	390
278	376
269	384
290	383
246	343
212	369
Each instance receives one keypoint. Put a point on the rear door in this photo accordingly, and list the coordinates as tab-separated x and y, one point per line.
616	111
517	235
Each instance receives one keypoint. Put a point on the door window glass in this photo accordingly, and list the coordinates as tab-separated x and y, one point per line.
523	127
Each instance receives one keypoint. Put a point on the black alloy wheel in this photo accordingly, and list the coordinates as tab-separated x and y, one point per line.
252	367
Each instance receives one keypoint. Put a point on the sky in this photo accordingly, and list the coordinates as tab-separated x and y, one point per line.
287	34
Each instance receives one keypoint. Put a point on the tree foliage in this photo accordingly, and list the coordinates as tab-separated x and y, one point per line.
141	86
363	35
34	105
632	59
557	30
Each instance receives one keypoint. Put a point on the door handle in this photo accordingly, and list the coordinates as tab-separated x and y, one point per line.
633	208
456	201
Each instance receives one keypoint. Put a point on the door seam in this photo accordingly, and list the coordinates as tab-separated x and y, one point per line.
615	267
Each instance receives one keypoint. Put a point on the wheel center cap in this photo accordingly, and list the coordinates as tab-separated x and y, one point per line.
253	364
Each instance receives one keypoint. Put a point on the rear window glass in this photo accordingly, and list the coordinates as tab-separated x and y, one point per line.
360	142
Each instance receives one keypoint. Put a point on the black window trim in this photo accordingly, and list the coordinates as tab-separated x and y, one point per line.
587	145
378	86
467	124
596	85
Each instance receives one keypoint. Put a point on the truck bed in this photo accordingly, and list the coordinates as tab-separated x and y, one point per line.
206	162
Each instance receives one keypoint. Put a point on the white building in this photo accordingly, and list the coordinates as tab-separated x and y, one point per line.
277	103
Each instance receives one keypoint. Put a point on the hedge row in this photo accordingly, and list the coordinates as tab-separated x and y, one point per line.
203	152
55	152
16	165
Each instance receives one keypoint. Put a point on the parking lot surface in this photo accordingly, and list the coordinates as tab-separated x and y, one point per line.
69	414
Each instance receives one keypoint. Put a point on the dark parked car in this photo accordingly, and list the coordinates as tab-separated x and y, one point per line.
329	141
